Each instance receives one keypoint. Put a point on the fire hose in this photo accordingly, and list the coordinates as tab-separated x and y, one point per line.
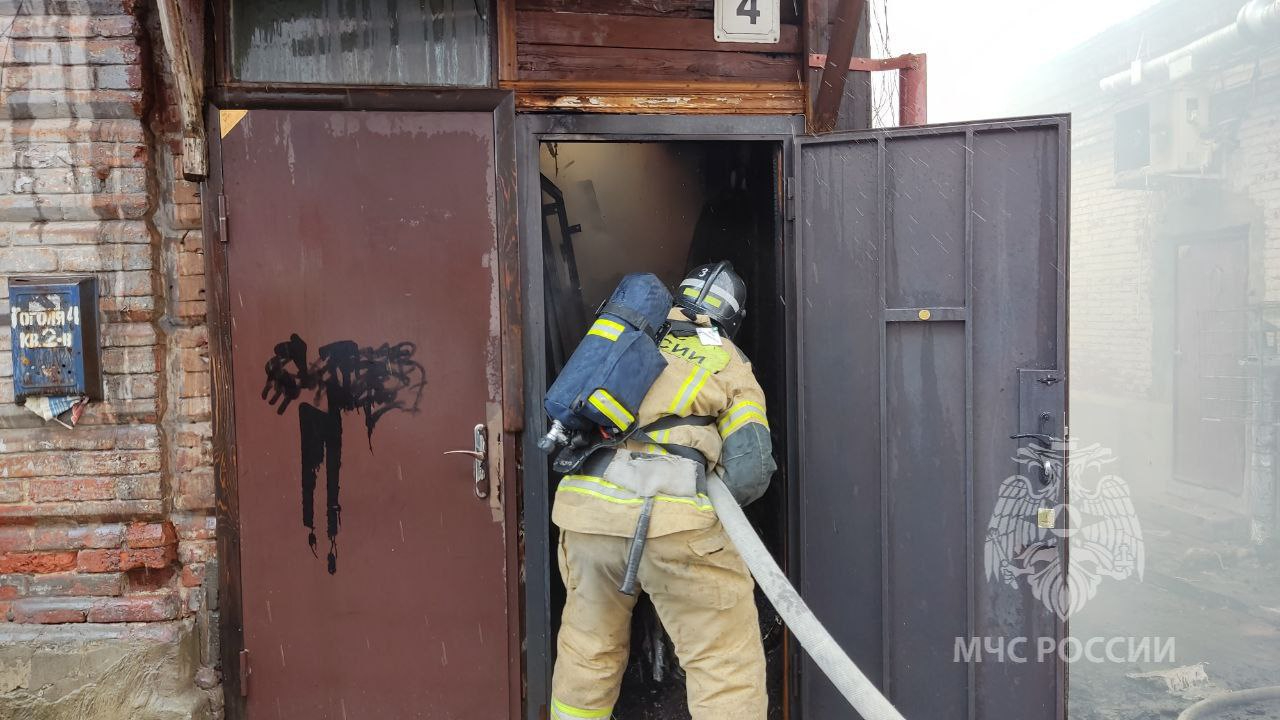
1209	707
826	653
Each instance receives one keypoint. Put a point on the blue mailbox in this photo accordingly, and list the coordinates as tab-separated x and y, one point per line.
54	328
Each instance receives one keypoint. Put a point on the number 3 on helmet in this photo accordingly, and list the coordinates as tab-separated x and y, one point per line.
715	291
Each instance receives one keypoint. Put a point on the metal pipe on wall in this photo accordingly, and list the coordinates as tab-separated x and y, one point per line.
1257	24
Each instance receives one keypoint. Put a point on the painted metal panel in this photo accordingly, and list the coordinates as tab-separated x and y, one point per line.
930	274
363	287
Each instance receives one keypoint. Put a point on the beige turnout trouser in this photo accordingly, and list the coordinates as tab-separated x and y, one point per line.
702	591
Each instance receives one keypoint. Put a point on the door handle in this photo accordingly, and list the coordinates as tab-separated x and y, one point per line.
479	457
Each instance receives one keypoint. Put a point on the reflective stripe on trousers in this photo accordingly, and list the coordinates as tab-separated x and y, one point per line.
561	711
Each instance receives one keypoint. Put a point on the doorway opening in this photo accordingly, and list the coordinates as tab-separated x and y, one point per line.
611	208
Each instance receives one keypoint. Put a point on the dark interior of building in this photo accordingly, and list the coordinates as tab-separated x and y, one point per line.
666	207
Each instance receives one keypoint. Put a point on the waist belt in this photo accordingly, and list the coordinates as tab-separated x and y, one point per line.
648	475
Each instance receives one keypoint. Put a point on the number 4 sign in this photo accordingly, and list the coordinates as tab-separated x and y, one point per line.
749	21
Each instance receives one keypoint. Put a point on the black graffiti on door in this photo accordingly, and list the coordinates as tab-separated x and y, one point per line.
344	378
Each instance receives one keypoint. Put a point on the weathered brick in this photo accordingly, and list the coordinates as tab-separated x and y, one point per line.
67	130
186	216
194	409
12	491
118	77
53	489
41	104
77	537
128	334
51	437
130	359
97	258
37	562
96	561
16	539
128	284
71	26
139	487
190	287
149	580
184	460
136	608
193	574
197	551
196	490
72	583
191	263
86	510
13	586
150	535
78	206
114	51
195	526
129	387
192	434
100	156
50	610
28	260
48	77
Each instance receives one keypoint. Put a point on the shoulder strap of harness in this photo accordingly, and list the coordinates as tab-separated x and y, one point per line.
633	318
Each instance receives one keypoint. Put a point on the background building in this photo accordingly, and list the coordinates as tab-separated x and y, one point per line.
1175	278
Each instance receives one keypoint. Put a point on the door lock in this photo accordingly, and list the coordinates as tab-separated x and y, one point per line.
480	457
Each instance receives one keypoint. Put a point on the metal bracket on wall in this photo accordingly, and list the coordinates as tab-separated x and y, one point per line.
244	673
913	86
222	218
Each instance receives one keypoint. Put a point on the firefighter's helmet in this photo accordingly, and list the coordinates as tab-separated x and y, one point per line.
716	291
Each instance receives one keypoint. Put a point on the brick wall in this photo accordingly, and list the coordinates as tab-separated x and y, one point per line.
112	521
1125	240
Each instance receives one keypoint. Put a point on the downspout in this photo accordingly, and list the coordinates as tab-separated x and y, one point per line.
1258	23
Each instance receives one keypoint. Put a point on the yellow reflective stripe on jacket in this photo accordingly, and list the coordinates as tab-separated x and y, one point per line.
741	413
655	449
568	711
598	487
660	436
611	408
607	329
689	390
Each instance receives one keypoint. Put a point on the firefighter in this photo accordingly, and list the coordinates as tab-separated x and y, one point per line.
706	411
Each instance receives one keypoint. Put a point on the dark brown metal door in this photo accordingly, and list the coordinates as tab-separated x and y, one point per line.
363	287
931	319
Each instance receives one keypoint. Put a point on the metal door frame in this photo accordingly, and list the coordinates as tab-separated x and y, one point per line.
502	105
531	130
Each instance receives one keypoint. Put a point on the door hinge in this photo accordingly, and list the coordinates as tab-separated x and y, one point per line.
244	673
222	217
789	197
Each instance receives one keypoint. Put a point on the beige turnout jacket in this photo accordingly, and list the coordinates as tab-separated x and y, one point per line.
701	378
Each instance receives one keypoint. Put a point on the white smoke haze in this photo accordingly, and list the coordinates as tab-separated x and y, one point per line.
1175	297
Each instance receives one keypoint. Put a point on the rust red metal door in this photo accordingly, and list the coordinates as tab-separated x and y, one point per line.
363	289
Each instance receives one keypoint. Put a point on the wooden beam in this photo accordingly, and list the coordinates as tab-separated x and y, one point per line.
195	161
693	98
506	40
567	62
637	31
844	30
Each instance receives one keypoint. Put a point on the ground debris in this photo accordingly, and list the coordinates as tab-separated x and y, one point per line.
1188	681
